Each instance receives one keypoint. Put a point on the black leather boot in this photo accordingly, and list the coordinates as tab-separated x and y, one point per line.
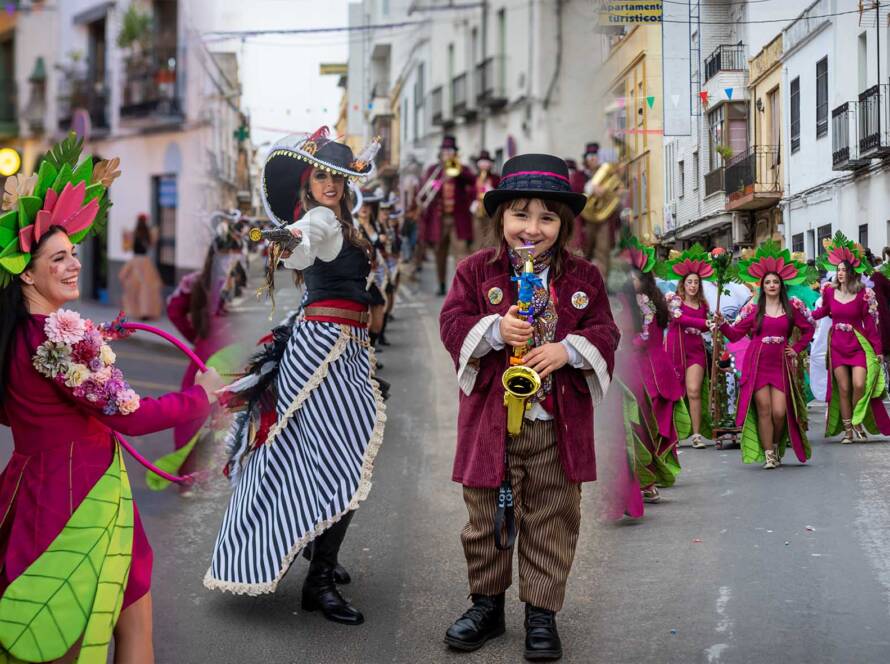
542	641
320	593
341	576
481	622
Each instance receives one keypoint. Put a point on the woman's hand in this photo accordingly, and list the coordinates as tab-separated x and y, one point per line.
717	320
791	354
514	330
546	359
211	381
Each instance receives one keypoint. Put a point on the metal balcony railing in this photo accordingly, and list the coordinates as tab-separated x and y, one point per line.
437	102
844	138
726	57
491	86
149	84
714	181
873	121
83	92
755	168
459	93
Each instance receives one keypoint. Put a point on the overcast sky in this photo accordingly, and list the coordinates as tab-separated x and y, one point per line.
282	89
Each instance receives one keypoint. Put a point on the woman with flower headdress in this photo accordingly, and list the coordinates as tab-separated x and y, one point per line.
75	564
312	414
769	374
688	321
856	384
655	414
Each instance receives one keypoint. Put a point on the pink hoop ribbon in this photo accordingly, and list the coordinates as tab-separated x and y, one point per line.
117	327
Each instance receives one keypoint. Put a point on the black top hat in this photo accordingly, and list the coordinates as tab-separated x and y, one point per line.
292	155
572	164
484	154
534	176
591	148
448	143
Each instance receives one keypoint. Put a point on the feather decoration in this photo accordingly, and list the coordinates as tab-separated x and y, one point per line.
365	158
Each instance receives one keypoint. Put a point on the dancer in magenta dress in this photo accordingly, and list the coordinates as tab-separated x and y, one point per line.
75	564
684	343
857	386
650	379
769	372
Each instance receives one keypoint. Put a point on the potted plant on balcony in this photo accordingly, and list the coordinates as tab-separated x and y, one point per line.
724	151
135	37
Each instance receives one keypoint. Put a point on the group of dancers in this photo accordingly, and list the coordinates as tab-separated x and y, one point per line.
665	371
309	413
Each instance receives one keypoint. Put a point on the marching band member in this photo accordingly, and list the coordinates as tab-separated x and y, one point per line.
446	220
486	180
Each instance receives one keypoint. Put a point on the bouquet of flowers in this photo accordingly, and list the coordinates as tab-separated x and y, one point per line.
76	355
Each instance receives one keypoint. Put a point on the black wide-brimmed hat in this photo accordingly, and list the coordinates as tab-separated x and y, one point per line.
534	176
591	148
291	156
572	164
484	154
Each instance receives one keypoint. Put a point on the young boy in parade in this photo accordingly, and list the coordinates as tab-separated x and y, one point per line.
571	340
769	372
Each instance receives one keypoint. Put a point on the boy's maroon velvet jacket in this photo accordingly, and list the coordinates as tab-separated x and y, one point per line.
466	316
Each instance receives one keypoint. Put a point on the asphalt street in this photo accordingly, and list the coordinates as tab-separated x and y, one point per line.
736	565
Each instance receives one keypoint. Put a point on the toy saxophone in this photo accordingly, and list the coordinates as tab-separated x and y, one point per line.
520	382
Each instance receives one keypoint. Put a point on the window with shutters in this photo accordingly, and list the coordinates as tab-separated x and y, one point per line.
821	98
795	114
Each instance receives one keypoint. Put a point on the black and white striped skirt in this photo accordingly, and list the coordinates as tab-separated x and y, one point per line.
315	465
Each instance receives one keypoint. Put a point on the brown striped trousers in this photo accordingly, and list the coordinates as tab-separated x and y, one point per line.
548	517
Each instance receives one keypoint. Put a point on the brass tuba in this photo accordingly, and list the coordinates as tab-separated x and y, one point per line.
452	167
599	208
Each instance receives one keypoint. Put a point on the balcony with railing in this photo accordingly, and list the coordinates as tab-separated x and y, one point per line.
726	57
714	181
463	103
437	102
150	91
874	122
845	138
491	86
81	92
753	178
9	121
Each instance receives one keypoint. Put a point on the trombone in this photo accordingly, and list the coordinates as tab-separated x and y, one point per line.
433	185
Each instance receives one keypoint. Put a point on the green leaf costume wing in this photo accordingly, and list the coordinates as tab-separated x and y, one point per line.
76	587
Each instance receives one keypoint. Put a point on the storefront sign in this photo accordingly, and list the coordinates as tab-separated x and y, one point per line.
613	12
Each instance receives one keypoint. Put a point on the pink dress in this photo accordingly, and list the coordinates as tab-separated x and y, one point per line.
845	318
62	446
766	363
684	343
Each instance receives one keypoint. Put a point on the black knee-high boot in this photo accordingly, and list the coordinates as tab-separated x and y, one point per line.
319	590
382	335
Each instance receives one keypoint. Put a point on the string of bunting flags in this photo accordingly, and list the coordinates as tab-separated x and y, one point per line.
704	95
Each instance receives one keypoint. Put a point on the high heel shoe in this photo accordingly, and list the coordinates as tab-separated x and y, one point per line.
772	460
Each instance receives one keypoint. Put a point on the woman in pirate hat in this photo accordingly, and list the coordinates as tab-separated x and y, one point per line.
769	374
304	444
856	385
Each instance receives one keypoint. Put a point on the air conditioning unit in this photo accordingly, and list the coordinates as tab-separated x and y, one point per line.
742	230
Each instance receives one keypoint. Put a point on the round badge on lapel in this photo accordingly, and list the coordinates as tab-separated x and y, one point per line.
495	295
580	300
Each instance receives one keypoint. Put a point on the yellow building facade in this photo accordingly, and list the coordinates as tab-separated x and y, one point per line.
633	97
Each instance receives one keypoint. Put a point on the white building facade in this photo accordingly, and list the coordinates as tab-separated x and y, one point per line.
508	76
837	174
